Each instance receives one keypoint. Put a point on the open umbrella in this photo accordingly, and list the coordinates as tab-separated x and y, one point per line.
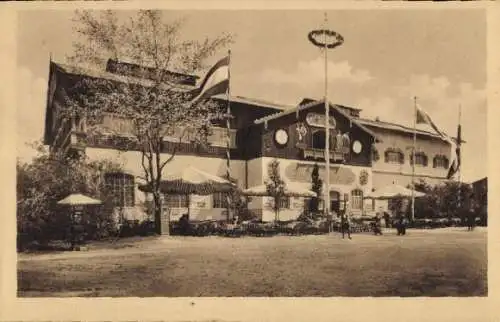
291	190
77	199
393	191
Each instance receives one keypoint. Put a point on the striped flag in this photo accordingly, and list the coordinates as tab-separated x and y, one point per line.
455	165
215	82
424	118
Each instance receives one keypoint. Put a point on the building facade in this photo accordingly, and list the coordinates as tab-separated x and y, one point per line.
364	154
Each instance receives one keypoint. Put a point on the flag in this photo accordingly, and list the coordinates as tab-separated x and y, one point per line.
455	164
424	118
215	82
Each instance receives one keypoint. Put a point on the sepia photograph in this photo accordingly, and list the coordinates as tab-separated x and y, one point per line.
252	153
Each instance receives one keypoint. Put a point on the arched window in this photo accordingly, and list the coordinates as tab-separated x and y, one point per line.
440	161
420	159
121	187
393	155
357	199
318	139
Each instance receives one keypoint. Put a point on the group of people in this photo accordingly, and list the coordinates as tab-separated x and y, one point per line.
400	224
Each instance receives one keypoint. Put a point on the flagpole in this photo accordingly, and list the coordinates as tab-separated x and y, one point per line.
228	134
327	131
459	143
413	159
459	176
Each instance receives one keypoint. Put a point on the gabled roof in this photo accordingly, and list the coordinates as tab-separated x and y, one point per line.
103	74
310	104
252	101
135	70
400	128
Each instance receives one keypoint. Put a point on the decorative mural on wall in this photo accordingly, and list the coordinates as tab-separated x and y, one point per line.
363	177
301	172
267	142
301	130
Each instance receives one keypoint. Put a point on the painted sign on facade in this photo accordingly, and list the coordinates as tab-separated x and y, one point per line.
301	172
318	120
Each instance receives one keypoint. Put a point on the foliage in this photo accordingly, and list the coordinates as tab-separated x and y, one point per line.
275	186
239	203
451	199
48	179
155	104
316	186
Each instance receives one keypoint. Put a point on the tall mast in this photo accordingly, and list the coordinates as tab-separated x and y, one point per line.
327	130
228	134
413	158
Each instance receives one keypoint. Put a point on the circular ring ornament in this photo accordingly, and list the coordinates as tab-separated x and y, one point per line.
281	137
357	147
333	39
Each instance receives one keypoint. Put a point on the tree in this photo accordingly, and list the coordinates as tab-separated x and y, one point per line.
428	205
275	186
316	186
155	104
450	199
48	178
238	203
455	199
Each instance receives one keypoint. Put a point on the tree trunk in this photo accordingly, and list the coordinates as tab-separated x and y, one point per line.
162	222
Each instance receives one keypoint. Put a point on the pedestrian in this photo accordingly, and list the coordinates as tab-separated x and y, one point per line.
404	224
399	224
387	219
345	226
471	222
378	225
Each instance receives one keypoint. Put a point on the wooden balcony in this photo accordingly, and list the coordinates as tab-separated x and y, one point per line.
319	154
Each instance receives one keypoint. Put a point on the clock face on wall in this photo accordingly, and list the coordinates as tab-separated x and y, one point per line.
281	137
357	147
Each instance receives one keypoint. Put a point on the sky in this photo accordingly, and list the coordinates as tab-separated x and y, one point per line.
388	57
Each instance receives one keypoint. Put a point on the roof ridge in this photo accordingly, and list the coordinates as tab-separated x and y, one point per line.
98	73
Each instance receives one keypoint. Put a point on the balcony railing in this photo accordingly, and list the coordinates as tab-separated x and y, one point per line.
319	154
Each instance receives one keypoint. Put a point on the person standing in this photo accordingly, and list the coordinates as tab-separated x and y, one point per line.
404	224
378	225
345	226
399	224
387	219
